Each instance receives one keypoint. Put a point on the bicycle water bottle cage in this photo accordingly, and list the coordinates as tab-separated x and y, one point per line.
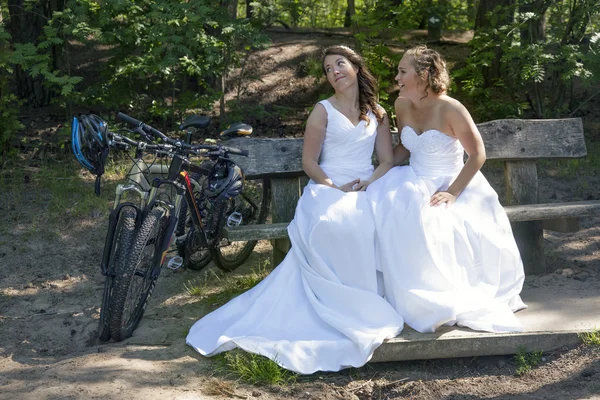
195	121
237	129
89	142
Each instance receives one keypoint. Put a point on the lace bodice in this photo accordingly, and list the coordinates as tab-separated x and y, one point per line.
433	153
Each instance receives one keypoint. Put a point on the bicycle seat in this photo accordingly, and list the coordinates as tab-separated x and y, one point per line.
238	128
195	121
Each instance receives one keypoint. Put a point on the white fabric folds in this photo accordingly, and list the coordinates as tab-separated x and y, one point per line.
319	310
445	265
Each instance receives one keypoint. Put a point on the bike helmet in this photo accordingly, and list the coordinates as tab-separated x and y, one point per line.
89	142
226	179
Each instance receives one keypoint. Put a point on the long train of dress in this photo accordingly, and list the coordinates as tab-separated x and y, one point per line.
445	265
320	308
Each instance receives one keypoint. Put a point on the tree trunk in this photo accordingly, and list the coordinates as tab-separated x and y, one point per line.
535	31
26	25
488	18
425	11
233	5
483	18
350	10
248	9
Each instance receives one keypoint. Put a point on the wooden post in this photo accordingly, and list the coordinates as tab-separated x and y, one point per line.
522	188
285	195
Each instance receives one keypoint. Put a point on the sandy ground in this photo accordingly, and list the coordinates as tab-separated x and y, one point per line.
50	289
50	292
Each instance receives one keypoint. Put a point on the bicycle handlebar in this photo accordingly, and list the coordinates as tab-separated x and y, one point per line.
176	143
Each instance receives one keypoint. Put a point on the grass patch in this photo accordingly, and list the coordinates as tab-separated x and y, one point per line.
216	387
194	288
231	286
57	186
254	369
591	338
526	361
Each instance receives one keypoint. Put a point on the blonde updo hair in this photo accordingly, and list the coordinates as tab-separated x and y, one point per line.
426	60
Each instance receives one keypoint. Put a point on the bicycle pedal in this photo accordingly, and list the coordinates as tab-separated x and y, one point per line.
235	219
175	263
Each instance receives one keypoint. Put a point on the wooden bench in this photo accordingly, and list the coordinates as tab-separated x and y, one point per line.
518	143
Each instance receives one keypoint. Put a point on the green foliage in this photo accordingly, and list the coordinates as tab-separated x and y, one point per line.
525	361
163	57
9	104
254	369
166	55
413	14
382	62
507	75
311	66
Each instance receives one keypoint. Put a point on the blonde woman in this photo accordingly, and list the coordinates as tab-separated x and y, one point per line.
445	243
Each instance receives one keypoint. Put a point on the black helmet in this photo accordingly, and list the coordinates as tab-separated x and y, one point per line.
226	179
89	142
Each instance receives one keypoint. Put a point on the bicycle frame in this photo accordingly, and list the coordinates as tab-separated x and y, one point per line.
178	177
140	184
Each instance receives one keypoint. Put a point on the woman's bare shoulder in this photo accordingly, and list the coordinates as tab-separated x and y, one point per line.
451	105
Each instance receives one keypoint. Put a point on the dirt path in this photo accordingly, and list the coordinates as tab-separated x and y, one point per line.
50	290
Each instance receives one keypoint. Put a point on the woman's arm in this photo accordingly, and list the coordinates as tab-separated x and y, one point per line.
401	153
466	131
383	149
314	136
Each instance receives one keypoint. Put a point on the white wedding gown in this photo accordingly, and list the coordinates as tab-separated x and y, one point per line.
445	265
319	310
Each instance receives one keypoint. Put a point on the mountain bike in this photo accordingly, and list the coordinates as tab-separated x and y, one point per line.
140	234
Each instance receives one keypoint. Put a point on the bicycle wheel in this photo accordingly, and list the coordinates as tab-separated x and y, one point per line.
121	243
133	283
194	256
249	208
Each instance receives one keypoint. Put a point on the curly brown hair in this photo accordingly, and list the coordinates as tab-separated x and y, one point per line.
426	60
367	84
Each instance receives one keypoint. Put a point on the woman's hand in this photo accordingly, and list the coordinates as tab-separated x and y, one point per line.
362	185
440	198
350	186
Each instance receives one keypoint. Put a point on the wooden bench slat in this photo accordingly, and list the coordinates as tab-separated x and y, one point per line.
504	139
257	232
532	212
538	212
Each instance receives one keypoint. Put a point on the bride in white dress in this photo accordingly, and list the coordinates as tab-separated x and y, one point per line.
445	244
320	308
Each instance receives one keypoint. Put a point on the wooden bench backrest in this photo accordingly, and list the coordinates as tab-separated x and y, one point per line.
507	139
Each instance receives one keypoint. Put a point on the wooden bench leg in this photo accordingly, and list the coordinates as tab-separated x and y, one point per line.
280	250
285	195
522	188
530	240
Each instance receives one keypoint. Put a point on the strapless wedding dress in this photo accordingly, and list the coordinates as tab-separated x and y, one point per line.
445	265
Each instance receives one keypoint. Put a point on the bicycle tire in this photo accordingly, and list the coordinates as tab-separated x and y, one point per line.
122	239
194	259
234	254
130	294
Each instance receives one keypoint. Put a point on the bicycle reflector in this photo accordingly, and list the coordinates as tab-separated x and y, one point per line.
89	142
